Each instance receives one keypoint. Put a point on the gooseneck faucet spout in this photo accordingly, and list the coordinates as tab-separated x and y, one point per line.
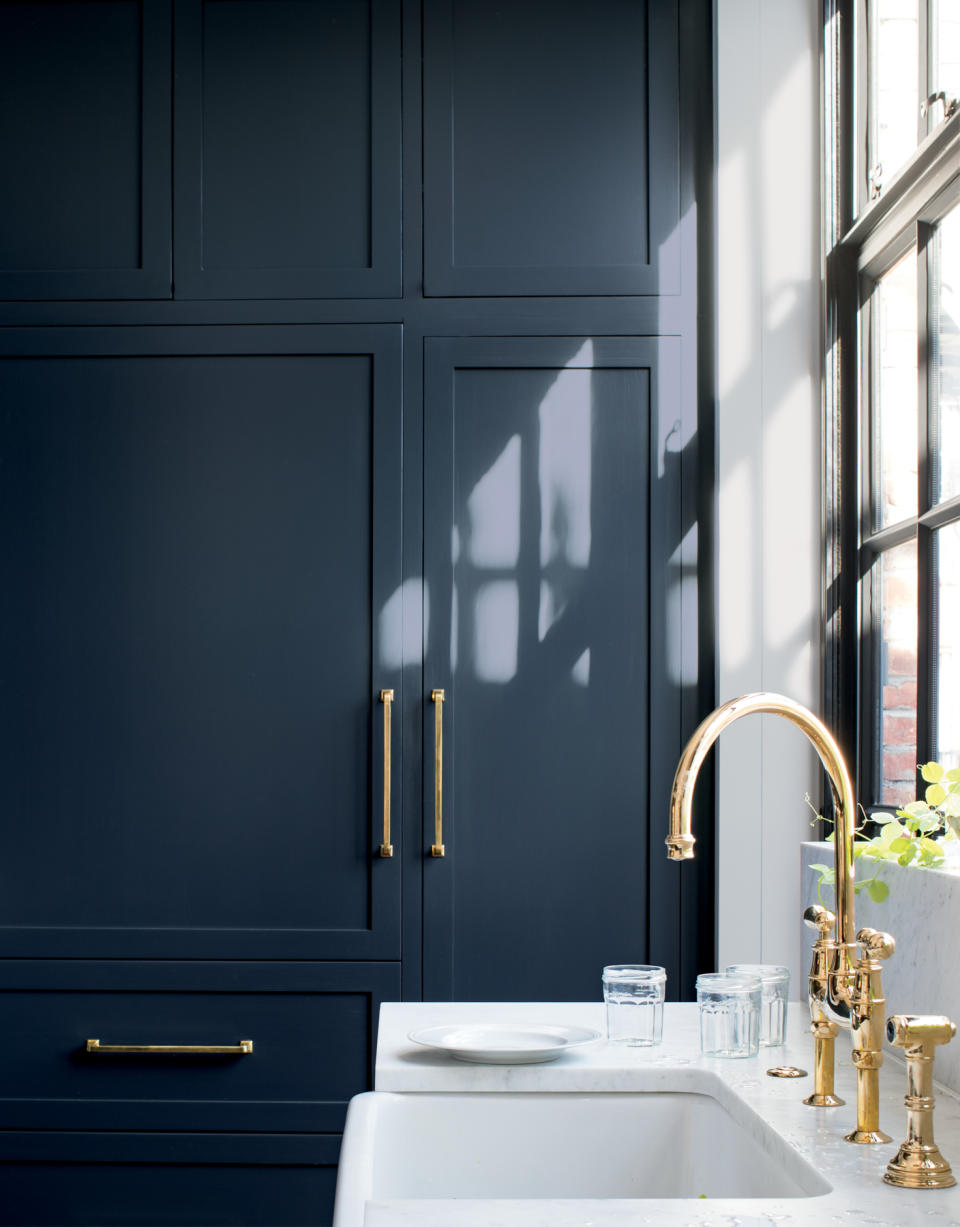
680	841
849	995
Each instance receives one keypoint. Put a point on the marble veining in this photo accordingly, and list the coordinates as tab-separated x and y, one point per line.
854	1172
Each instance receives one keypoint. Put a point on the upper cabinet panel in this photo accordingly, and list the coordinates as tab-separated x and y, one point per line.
287	174
87	82
551	148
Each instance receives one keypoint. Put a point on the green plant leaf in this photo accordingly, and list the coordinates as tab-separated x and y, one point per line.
935	794
931	772
916	809
906	857
901	844
878	890
891	831
954	775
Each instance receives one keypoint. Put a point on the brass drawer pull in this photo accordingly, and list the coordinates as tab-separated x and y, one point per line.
386	698
437	697
235	1050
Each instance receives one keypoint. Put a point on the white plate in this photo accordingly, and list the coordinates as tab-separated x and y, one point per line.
503	1043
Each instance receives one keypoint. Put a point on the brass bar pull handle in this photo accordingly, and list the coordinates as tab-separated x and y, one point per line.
437	697
386	698
244	1048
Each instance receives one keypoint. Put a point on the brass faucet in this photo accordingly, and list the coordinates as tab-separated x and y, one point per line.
845	988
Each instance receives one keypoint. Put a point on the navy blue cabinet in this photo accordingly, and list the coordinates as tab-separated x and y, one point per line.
551	148
346	347
552	556
311	1025
58	1179
288	151
85	95
191	656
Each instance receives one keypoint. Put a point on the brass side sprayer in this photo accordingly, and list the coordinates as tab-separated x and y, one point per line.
919	1163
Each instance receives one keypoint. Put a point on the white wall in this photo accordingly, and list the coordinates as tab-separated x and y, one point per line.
768	576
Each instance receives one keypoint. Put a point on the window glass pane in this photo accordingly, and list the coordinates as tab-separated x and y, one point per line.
895	396
948	654
895	613
947	459
947	35
893	85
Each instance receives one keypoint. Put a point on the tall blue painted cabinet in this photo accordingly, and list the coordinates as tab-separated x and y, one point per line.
355	454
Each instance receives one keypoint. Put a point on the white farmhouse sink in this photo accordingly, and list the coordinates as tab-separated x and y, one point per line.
658	1144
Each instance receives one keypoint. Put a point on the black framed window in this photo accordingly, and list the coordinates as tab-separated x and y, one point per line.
892	387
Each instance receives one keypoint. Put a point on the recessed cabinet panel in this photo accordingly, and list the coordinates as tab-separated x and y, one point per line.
87	84
553	508
191	655
288	148
550	148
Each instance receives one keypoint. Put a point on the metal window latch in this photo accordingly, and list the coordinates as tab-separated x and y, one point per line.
875	181
950	105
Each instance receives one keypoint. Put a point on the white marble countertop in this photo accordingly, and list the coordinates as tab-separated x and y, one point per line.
859	1196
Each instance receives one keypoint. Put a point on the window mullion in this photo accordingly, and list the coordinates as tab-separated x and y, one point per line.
926	477
925	120
863	111
927	482
843	155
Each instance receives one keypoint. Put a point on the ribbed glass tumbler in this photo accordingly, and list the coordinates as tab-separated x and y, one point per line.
633	993
775	982
729	1014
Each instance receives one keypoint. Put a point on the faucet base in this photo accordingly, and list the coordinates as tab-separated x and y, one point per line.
824	1101
919	1166
867	1137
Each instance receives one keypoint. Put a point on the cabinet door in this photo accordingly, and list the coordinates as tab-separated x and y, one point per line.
112	1179
287	149
85	149
199	536
551	147
553	527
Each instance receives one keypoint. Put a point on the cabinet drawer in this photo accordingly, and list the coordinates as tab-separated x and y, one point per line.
312	1029
141	1180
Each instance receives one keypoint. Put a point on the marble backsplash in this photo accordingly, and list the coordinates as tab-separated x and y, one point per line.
922	912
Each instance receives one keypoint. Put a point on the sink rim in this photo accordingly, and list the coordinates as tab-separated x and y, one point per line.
355	1180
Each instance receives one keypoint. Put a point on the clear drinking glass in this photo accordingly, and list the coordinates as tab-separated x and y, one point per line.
633	993
775	983
729	1014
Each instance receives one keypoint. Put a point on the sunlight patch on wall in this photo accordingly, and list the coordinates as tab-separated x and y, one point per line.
735	263
737	511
